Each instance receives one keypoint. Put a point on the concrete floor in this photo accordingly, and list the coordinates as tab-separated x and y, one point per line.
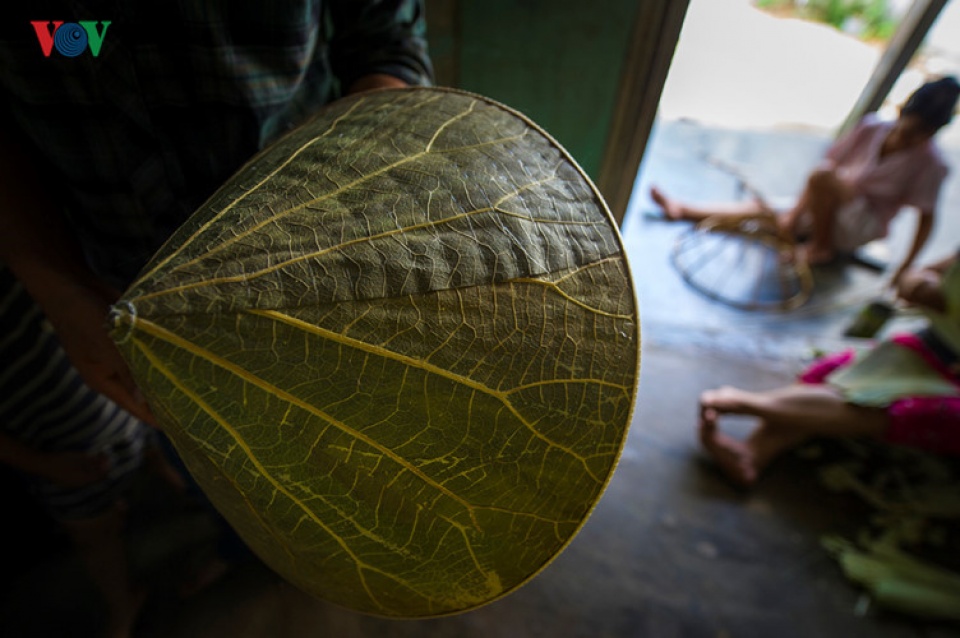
671	550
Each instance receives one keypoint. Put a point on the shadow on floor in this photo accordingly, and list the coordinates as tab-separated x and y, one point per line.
671	550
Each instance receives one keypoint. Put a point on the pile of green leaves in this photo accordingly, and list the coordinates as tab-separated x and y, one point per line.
906	558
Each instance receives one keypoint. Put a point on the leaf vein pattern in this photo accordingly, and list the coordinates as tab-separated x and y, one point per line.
448	122
312	202
360	564
266	178
361	240
560	291
501	396
161	333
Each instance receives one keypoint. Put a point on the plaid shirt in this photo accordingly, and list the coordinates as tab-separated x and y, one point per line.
134	139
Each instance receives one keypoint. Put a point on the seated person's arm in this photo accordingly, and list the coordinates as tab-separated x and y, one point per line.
924	286
920	237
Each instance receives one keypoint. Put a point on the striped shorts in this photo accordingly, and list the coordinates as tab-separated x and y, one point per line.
46	405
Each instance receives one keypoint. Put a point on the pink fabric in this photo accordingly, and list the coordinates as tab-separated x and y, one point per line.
911	177
820	369
928	423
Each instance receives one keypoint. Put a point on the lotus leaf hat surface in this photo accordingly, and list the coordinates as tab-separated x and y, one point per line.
398	350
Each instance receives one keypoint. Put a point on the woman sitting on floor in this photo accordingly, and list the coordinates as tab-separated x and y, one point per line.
866	178
905	390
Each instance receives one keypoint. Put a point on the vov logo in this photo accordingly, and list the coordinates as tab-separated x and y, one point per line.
70	39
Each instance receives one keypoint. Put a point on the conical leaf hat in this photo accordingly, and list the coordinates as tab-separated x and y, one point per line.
398	350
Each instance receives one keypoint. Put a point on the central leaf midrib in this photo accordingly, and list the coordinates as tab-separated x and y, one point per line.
159	332
499	395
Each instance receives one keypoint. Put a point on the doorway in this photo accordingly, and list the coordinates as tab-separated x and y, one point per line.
762	94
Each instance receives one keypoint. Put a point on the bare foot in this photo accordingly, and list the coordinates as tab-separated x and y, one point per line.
734	458
728	400
671	209
743	461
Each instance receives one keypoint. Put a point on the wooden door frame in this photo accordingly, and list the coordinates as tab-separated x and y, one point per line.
656	31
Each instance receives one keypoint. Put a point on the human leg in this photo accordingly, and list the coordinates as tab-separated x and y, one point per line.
791	221
675	210
815	410
786	417
825	193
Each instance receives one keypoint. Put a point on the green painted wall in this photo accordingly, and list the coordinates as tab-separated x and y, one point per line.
558	62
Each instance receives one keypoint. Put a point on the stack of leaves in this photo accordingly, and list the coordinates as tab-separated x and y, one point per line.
906	558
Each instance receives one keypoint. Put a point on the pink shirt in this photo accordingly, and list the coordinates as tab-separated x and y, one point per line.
911	177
